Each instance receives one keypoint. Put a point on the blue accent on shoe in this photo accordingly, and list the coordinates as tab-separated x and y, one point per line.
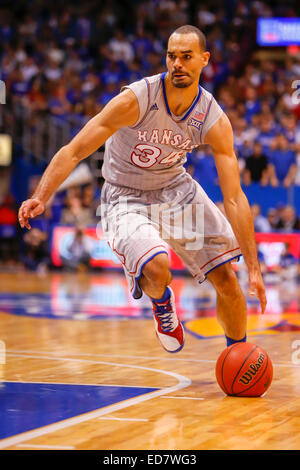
164	298
164	314
231	341
163	310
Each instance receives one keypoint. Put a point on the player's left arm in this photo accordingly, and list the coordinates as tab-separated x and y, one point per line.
220	139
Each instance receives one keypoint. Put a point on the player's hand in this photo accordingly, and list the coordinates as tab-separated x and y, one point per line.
30	209
256	287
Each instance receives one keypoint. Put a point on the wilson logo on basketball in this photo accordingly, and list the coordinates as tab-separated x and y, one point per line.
252	371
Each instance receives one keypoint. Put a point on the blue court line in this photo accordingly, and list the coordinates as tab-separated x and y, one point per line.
27	406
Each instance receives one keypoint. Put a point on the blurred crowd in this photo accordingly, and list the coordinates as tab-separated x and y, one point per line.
68	59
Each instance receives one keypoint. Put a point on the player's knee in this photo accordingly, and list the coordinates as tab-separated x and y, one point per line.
157	270
225	281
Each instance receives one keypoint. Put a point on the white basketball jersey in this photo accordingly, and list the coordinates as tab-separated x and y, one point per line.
151	154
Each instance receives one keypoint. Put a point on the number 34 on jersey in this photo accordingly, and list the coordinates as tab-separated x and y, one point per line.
145	154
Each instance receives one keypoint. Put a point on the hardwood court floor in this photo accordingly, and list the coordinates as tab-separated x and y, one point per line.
83	369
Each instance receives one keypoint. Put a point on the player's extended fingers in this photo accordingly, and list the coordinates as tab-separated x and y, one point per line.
256	288
20	217
26	209
25	223
262	298
23	216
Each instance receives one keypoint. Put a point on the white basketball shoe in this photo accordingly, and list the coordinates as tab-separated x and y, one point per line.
169	329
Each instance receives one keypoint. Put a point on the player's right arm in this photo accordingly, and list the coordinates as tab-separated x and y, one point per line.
220	138
121	111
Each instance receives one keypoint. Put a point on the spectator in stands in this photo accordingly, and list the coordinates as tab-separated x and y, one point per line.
122	50
226	98
53	71
289	220
142	44
240	135
111	73
91	199
35	256
88	196
266	135
261	259
253	128
36	99
282	163
287	259
29	69
261	223
75	213
252	103
109	92
90	85
18	87
256	170
74	91
273	218
78	252
59	105
290	129
287	266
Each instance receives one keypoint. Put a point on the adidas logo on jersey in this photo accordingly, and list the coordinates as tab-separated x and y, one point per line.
154	107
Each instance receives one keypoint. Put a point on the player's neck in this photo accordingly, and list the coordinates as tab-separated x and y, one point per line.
180	99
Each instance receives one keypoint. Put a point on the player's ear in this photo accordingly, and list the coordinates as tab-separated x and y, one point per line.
205	58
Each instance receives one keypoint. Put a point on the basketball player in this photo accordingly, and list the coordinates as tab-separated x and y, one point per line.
148	128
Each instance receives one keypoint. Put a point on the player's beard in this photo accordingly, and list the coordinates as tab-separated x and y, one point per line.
181	84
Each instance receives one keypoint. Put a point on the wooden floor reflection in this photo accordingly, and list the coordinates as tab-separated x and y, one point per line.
81	358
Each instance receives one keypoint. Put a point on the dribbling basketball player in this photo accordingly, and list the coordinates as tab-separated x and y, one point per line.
148	128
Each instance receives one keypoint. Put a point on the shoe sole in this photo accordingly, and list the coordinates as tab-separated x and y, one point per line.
171	352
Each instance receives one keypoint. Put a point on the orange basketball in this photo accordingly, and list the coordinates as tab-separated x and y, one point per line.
244	370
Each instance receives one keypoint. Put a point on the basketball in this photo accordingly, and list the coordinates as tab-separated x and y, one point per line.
244	370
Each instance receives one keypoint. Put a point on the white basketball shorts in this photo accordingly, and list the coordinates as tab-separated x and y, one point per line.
141	224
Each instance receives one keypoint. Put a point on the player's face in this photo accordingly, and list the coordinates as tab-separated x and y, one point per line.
185	59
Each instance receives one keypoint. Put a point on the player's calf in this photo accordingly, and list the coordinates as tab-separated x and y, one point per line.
156	276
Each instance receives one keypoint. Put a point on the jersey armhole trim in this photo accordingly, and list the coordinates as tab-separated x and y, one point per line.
140	121
212	124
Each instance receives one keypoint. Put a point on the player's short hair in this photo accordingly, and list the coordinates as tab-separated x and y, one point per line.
187	29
